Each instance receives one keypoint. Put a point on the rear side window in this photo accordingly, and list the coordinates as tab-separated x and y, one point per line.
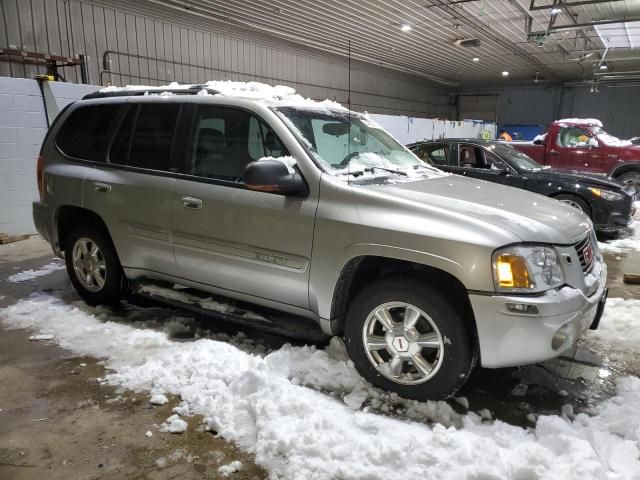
84	134
145	137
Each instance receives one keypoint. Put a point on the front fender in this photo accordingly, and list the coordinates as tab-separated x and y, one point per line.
476	275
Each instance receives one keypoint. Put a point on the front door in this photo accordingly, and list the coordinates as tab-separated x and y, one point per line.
230	237
573	151
475	161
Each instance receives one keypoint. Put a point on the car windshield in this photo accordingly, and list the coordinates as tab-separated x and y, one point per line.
610	139
350	145
520	160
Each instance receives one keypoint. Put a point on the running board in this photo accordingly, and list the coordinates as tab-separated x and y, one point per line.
229	310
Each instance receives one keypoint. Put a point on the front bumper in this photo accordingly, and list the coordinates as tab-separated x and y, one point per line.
508	339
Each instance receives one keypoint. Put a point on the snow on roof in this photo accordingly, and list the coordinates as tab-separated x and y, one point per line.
582	121
280	94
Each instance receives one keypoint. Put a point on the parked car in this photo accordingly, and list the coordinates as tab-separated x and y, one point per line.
582	144
315	211
606	201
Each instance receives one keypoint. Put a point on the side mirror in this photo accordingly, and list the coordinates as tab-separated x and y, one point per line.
593	142
274	176
538	142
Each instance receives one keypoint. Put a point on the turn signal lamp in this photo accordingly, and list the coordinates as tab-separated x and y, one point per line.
512	272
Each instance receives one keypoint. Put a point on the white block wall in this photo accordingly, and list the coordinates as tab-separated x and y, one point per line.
409	129
22	129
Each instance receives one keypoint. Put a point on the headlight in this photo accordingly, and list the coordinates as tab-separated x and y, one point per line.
526	269
606	194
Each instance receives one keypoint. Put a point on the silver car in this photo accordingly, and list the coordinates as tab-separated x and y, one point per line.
313	210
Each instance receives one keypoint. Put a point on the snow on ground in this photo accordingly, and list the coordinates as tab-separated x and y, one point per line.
620	325
626	244
266	406
31	274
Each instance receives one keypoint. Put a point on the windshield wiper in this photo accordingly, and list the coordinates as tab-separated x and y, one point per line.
358	173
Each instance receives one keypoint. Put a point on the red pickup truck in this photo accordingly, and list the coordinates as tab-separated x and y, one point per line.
582	144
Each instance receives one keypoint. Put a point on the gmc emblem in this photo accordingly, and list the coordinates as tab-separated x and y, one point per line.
587	254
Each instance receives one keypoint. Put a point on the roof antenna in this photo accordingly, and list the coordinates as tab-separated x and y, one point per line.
349	112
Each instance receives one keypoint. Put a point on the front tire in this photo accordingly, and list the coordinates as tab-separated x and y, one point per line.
93	265
630	178
575	202
406	337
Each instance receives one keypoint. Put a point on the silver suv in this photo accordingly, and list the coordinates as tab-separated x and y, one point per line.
313	210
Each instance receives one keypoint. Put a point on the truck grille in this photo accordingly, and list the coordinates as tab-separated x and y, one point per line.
585	252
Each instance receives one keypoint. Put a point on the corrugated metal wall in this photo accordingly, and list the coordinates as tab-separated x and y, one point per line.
156	49
618	108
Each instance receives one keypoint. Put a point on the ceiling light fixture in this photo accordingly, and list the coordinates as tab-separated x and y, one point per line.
475	59
405	27
603	67
555	11
505	74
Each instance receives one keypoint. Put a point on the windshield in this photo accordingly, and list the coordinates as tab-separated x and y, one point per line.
520	160
610	139
350	145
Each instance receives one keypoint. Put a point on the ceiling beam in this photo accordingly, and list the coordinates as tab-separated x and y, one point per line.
533	6
583	26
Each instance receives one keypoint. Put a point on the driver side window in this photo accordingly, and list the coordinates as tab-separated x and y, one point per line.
573	137
226	139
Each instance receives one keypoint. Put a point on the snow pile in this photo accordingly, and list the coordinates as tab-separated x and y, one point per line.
158	399
582	121
620	324
31	274
233	467
621	245
174	424
298	432
540	137
228	88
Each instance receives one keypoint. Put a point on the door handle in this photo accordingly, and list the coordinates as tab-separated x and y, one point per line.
193	203
101	187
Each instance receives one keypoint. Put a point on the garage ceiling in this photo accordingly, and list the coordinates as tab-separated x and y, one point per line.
533	40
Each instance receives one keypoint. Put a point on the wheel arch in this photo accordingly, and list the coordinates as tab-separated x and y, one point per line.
625	167
68	216
363	269
574	194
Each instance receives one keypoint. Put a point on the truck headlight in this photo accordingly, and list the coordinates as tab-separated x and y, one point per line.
526	269
606	194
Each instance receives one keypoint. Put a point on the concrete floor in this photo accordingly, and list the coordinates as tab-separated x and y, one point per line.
56	421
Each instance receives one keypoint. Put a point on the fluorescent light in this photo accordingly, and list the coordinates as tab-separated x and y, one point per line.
475	59
405	27
555	11
505	74
603	67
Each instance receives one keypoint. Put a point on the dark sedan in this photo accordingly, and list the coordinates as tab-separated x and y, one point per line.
608	203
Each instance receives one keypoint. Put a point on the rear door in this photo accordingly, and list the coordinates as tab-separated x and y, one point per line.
227	236
434	153
132	191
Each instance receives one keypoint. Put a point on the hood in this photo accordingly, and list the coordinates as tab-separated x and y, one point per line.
529	216
592	179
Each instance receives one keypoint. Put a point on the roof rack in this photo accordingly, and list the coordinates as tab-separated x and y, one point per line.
192	90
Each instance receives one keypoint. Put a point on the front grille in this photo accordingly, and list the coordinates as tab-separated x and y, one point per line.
631	190
586	259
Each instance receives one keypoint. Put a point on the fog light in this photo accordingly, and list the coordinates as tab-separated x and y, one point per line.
522	308
560	337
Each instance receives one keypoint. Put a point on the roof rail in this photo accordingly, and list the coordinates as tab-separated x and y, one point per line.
191	90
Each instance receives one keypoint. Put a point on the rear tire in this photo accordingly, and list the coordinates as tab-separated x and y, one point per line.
93	265
425	352
630	178
575	202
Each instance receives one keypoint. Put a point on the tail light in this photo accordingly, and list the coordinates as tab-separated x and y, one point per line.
40	176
